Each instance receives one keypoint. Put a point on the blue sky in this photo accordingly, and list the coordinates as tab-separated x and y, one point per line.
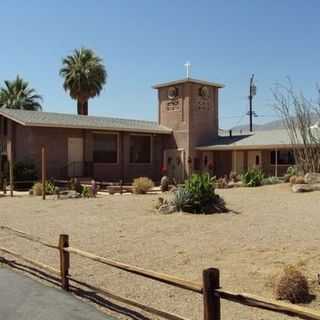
144	42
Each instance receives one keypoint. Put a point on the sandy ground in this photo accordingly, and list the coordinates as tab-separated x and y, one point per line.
272	227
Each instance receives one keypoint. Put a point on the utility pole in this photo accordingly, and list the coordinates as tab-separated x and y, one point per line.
252	93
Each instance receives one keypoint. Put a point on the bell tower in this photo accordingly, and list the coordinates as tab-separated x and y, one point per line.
190	108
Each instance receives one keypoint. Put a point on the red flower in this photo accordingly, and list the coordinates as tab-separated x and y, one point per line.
163	169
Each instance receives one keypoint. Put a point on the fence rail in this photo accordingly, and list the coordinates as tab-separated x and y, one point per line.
209	288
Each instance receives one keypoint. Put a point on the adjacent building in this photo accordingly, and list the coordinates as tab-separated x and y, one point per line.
185	139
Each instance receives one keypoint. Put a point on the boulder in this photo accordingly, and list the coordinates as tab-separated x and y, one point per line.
302	188
164	183
312	177
68	194
167	209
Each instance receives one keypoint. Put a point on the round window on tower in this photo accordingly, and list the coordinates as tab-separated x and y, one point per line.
172	92
204	92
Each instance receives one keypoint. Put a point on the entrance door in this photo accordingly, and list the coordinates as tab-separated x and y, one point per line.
254	159
237	161
174	163
75	157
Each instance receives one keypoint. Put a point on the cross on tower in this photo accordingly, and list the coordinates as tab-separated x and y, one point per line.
188	66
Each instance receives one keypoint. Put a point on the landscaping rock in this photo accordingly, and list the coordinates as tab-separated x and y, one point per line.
164	183
167	209
312	178
302	188
69	194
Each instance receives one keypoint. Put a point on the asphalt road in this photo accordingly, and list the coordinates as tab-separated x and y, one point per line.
22	298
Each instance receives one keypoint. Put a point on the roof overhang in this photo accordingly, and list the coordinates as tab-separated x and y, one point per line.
188	80
246	147
69	126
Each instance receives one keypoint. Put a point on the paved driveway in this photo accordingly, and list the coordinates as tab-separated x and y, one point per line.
26	299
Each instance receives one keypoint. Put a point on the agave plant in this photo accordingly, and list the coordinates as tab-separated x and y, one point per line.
17	94
252	178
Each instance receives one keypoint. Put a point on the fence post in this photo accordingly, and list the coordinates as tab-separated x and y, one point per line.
211	301
43	171
11	177
64	260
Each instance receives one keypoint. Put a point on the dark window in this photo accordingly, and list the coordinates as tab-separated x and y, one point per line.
140	149
5	126
284	157
105	148
257	160
196	164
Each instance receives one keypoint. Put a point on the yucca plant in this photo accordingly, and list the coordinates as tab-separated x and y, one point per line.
203	198
252	178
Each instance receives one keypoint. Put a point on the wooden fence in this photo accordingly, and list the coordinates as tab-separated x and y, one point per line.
209	288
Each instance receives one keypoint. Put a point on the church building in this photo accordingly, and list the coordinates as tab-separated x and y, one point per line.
184	140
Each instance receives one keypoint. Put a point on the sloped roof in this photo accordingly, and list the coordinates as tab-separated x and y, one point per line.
191	80
63	120
257	140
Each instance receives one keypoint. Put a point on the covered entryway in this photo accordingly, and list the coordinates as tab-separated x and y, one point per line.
75	157
175	163
254	159
238	161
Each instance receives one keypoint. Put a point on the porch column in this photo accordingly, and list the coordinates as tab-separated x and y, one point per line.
276	163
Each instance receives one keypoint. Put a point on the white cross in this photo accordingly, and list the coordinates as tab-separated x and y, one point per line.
188	66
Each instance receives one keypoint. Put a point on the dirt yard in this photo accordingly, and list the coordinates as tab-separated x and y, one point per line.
271	227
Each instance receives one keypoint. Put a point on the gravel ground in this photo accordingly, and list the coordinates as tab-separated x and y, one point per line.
269	228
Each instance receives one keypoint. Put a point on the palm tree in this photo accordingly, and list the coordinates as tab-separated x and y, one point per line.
17	94
84	76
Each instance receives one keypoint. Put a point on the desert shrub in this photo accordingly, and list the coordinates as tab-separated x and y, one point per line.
222	183
292	171
300	180
87	192
74	184
50	187
292	180
142	185
292	285
252	178
233	176
37	188
182	198
24	171
203	199
271	180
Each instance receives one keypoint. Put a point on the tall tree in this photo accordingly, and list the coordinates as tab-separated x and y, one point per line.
84	77
17	94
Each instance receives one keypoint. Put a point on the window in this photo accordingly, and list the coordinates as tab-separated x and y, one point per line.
140	149
105	148
257	160
284	157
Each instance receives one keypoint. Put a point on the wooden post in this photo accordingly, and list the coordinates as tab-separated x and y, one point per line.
5	186
211	301
121	188
11	177
64	260
43	171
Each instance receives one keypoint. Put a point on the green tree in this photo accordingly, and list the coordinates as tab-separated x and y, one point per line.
84	77
17	94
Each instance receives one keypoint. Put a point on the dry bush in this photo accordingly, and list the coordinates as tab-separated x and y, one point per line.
37	189
292	285
142	185
300	180
292	180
